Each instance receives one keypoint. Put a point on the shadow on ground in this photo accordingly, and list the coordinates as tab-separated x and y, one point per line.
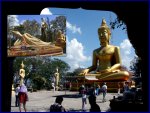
75	110
70	96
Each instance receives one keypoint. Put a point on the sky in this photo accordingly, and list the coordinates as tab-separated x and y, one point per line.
82	36
19	19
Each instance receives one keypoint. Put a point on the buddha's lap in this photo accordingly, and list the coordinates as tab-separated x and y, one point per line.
121	75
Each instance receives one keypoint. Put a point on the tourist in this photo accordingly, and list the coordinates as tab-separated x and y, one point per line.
23	97
53	85
81	88
119	88
126	87
104	90
97	90
83	92
57	107
16	93
94	106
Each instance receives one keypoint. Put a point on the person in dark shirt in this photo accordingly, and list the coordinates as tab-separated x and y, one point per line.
94	107
57	107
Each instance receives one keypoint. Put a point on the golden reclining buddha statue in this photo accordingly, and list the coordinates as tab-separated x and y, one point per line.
106	59
27	39
28	45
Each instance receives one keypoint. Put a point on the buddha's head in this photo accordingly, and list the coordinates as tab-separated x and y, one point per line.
56	69
104	33
17	34
59	32
22	65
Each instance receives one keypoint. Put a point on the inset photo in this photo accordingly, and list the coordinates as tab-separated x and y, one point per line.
36	35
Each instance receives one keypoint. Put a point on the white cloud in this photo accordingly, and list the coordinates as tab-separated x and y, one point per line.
22	21
13	20
75	51
126	46
73	28
46	11
126	53
75	54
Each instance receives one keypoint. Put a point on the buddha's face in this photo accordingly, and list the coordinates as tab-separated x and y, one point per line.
17	34
59	32
104	37
22	66
57	69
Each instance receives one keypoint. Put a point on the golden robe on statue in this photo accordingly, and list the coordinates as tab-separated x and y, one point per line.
27	39
106	59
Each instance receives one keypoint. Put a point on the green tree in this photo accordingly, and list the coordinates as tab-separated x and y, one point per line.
32	27
49	31
39	82
77	71
58	24
19	28
11	23
41	69
117	23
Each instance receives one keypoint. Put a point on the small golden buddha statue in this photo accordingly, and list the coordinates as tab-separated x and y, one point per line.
22	73
60	40
61	36
106	59
57	79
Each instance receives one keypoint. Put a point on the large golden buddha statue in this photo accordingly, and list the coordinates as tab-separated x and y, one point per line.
106	59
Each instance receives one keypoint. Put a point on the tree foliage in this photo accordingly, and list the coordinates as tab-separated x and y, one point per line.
20	28
70	76
77	71
11	21
40	70
59	24
32	27
118	24
136	66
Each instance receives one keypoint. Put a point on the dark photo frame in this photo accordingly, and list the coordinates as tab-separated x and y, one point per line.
134	14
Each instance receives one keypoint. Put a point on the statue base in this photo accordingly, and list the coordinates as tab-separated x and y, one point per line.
30	50
110	76
92	80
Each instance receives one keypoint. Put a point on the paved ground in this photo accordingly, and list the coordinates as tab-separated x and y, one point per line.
40	101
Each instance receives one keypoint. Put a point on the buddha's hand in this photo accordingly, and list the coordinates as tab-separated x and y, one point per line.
17	33
106	71
22	75
84	72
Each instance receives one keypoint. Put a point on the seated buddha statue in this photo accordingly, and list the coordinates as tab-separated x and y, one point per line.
61	36
106	59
